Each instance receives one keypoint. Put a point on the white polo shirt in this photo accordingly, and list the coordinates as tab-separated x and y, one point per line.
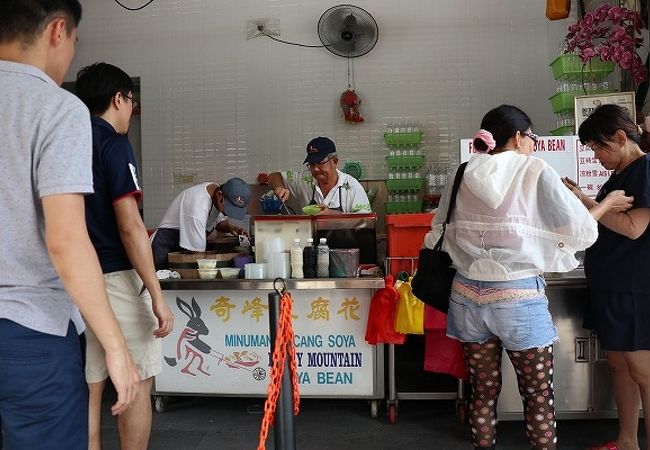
348	194
192	214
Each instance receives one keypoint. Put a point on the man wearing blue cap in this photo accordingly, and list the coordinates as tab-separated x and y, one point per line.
322	184
195	213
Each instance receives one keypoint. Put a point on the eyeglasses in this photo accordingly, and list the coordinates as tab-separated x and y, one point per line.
532	136
134	102
320	165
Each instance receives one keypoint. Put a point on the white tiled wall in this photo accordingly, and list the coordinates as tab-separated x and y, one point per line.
215	104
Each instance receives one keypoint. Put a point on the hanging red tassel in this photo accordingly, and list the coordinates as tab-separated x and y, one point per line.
350	105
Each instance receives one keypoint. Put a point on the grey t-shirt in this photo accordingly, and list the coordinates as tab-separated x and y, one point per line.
46	149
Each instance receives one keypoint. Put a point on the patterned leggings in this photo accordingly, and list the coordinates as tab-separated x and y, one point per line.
534	368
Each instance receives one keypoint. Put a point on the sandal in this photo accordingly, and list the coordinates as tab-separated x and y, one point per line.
611	445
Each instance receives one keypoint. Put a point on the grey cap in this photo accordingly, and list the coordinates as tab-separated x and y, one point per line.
236	196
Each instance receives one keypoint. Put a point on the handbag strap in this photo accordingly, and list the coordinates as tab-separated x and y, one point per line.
452	202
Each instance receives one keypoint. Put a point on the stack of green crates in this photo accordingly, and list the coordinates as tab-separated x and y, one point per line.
571	68
404	163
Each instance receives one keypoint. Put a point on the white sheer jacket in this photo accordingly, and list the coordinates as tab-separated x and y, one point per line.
513	219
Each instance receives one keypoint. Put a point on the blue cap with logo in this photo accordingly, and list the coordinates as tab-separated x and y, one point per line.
318	149
236	195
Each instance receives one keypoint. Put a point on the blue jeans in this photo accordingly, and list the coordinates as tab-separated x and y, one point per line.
520	324
43	393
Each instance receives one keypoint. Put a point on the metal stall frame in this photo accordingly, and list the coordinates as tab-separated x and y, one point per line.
394	395
161	397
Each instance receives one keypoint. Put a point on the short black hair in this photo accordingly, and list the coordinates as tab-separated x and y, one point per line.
98	83
503	122
23	20
603	123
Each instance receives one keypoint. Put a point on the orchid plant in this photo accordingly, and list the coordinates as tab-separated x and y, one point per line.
611	33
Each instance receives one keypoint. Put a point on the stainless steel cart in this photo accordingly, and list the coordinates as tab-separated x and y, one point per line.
408	264
220	343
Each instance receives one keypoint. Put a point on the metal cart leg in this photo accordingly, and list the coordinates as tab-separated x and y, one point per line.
462	408
391	402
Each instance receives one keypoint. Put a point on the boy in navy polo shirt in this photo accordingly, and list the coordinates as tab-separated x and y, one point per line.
122	244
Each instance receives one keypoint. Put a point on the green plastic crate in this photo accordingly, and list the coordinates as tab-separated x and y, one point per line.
403	138
563	101
411	184
412	161
567	130
403	207
572	67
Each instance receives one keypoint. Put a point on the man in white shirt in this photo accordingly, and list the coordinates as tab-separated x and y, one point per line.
321	183
195	213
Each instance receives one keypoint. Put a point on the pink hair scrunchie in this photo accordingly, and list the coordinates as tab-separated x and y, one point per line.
485	137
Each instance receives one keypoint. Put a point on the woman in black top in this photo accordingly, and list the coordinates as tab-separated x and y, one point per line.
616	266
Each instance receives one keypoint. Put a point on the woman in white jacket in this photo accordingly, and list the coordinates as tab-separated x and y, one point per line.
514	220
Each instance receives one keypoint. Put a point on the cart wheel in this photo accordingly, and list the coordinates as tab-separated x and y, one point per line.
374	408
160	403
461	412
392	414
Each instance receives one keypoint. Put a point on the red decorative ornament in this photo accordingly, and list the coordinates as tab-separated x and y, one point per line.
350	103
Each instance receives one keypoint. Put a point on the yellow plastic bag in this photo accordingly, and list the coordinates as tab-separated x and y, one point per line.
409	318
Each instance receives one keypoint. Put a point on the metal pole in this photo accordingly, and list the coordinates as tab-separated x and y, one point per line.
284	435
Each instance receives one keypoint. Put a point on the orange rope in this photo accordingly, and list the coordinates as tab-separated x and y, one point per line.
283	344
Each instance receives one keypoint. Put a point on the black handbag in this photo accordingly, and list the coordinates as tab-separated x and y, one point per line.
432	281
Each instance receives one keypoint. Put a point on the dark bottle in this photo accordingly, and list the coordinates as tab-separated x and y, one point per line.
309	255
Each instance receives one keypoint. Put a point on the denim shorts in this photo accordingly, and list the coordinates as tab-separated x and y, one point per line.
514	311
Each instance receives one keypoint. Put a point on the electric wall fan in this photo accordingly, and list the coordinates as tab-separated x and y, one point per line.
348	31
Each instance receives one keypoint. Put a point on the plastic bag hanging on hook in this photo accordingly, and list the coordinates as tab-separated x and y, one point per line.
350	103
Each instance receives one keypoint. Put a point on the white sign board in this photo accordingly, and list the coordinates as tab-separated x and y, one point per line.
220	344
566	155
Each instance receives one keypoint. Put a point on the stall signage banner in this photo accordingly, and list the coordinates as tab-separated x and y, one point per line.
221	344
566	155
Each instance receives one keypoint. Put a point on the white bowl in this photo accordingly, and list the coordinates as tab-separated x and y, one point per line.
208	274
206	263
229	272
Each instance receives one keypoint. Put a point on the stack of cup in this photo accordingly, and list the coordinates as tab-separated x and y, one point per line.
255	271
279	265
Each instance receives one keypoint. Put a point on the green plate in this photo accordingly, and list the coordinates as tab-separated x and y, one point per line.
311	210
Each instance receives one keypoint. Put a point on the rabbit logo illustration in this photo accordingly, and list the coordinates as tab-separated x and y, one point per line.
189	346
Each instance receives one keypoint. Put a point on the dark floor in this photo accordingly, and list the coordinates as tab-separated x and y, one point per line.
191	423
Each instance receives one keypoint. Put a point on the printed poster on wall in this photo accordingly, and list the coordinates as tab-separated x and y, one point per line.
220	343
566	155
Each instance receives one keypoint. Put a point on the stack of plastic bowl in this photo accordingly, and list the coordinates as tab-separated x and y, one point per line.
206	263
229	272
208	274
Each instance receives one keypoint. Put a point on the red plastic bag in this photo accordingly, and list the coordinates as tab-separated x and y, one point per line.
443	354
381	316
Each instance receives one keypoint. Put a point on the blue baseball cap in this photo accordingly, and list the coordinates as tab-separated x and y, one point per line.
236	196
318	149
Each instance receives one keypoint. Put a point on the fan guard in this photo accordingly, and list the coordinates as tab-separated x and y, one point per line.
348	31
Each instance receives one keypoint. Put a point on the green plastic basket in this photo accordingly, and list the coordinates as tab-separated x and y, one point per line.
563	101
408	161
403	138
412	184
566	130
403	207
571	67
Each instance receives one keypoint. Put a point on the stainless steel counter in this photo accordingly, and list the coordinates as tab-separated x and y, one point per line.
291	284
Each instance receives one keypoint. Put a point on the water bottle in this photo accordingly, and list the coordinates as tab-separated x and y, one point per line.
309	259
323	260
296	260
432	182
